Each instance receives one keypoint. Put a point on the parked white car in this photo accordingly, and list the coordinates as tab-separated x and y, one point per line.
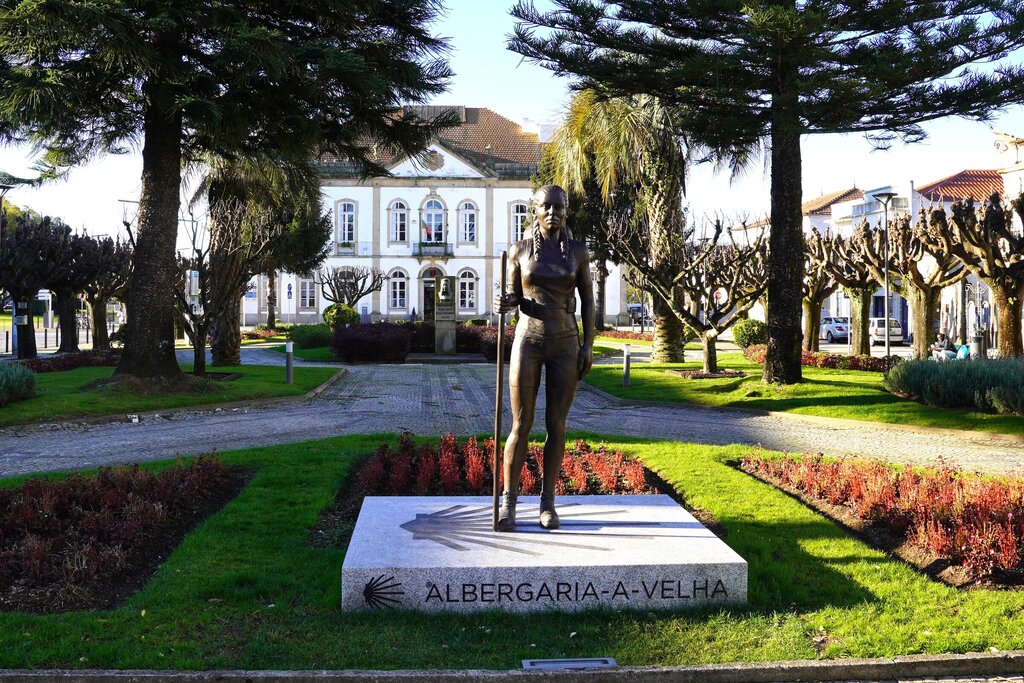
876	331
834	328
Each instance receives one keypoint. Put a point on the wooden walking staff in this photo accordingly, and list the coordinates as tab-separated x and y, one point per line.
498	395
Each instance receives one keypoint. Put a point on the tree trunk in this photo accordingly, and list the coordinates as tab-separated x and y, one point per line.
67	311
924	308
812	322
786	237
149	343
199	350
669	337
860	315
709	339
272	300
1008	313
27	332
599	303
100	338
226	336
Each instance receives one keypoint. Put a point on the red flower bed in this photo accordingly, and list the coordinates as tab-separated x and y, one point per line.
974	521
464	468
260	333
70	361
62	539
626	334
836	361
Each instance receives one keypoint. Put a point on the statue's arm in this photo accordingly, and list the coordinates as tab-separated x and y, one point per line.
585	286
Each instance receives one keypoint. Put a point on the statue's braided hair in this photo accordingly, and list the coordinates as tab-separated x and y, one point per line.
563	242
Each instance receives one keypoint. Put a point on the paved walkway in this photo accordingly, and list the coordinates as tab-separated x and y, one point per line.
434	399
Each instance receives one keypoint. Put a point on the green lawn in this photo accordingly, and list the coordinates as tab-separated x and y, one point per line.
830	393
276	339
5	320
245	591
320	353
60	394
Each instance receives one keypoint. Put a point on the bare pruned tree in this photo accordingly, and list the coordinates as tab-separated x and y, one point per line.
114	274
818	286
348	284
922	273
223	249
841	259
706	283
987	242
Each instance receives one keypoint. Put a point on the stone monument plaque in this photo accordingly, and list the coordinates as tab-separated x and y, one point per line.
444	315
439	554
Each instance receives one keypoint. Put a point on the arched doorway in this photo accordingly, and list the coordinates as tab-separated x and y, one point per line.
427	283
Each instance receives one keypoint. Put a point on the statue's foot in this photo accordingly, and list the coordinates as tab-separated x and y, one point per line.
507	513
548	516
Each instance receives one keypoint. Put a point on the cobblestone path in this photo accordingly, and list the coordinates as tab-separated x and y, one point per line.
434	399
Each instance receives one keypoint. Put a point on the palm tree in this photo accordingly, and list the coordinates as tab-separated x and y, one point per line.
630	141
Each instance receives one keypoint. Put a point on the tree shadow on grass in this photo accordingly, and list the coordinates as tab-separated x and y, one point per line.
783	575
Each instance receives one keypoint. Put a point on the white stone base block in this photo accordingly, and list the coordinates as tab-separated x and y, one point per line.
437	554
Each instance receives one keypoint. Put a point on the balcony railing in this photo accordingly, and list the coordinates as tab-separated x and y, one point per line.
433	249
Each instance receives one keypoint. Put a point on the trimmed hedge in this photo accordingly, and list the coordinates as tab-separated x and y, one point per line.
489	342
831	361
70	361
312	336
17	383
749	332
377	342
340	314
995	386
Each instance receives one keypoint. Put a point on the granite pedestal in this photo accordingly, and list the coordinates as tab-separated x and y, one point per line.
612	552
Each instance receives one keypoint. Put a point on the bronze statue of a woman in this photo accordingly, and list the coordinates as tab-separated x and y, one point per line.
545	271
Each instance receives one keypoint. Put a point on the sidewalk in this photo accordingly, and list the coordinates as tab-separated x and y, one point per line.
434	399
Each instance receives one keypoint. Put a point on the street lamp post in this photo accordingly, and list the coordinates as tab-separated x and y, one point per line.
885	198
4	189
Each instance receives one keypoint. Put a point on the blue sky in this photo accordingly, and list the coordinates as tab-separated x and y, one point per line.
488	75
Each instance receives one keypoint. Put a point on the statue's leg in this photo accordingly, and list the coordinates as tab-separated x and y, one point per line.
524	380
561	377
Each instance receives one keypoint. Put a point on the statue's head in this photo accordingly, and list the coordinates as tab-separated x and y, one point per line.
550	204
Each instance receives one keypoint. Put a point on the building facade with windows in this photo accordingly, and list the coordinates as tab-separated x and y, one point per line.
449	212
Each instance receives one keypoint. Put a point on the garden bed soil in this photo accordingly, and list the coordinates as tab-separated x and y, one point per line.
700	374
110	591
880	538
333	529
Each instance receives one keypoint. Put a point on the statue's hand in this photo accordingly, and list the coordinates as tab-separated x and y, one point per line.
585	360
503	303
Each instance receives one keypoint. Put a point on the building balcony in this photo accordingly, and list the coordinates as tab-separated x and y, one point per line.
433	250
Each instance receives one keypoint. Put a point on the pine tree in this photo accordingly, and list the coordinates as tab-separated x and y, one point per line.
184	77
743	75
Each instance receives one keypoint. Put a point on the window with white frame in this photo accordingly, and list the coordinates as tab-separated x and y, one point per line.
520	215
399	221
433	221
307	293
467	221
346	223
467	290
398	288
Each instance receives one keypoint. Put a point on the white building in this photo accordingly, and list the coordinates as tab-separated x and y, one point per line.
450	213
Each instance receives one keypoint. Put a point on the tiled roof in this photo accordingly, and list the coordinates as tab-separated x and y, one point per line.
976	184
483	137
819	206
822	206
